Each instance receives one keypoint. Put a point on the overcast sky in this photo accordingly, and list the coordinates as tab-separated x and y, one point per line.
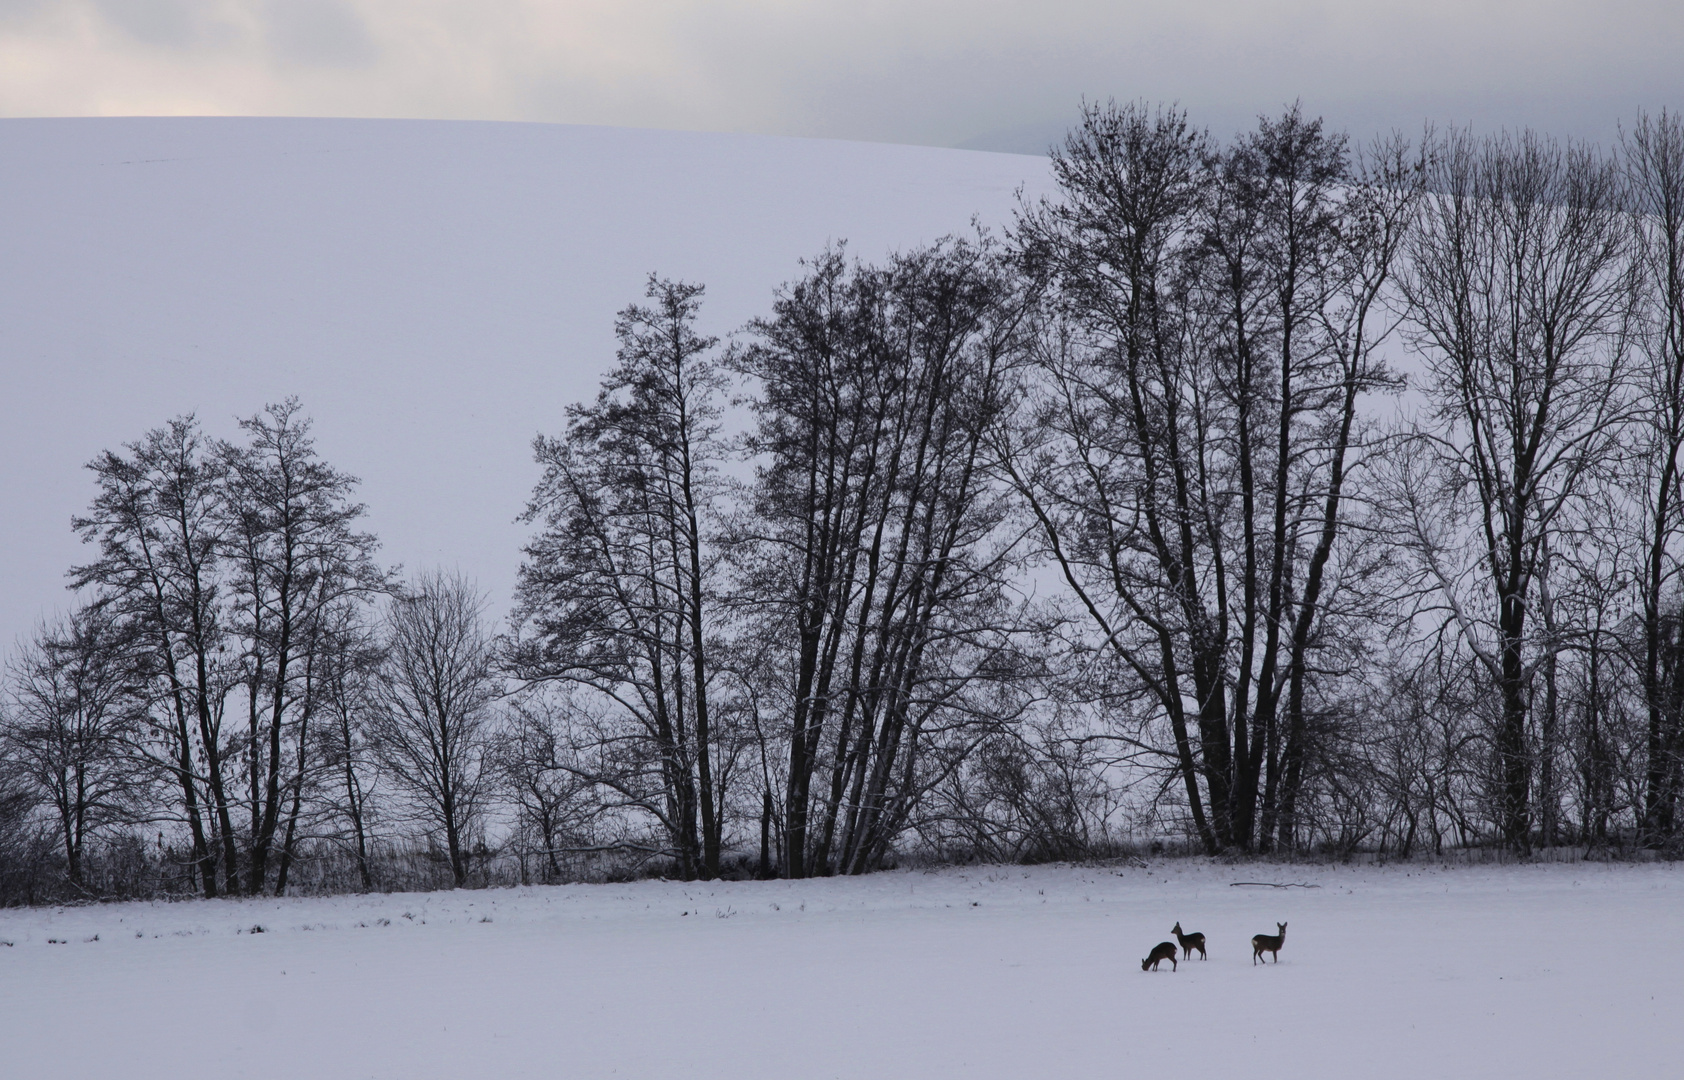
977	73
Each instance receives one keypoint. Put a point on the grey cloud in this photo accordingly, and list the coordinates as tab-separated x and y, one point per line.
176	24
989	74
1016	85
319	33
13	12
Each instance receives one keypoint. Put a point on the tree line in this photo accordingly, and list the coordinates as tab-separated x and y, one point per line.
1274	495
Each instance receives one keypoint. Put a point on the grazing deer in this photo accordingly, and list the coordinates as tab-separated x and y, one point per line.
1268	943
1189	942
1163	950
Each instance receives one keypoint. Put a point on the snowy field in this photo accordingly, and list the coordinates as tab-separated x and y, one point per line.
1530	971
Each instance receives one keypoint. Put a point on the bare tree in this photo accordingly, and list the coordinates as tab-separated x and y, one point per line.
75	702
20	835
1654	158
1212	324
347	682
434	707
873	562
293	557
1520	300
220	564
554	799
617	592
157	520
1108	412
1320	426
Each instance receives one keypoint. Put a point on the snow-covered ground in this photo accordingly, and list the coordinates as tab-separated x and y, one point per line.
1521	971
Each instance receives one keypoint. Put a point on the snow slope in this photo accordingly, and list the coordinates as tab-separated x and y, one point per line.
435	292
1536	971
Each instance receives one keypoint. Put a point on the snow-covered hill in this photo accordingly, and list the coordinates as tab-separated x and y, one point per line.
435	292
1543	971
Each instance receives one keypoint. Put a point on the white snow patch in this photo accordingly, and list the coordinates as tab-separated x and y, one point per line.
1535	971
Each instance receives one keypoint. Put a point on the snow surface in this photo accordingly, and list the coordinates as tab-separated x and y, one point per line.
435	292
1523	971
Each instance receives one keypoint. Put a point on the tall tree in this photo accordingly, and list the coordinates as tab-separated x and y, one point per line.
433	715
1346	324
157	520
1654	159
346	681
292	557
871	561
1212	324
1110	417
616	594
75	699
1520	299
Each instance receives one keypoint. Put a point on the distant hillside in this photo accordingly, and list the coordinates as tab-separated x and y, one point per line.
435	292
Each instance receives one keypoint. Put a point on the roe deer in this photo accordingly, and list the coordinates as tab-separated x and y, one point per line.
1189	942
1163	950
1268	943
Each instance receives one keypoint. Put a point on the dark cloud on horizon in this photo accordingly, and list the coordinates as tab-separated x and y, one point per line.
998	76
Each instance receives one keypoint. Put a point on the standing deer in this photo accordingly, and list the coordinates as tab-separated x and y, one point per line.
1163	950
1189	942
1268	943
